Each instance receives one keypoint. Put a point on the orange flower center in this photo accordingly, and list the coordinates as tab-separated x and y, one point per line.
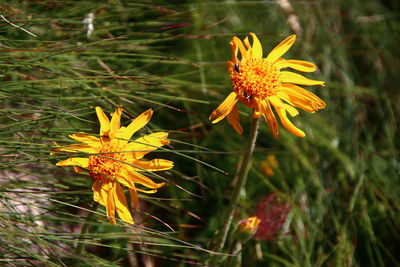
107	164
255	77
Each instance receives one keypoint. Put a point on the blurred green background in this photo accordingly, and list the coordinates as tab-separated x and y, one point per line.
341	180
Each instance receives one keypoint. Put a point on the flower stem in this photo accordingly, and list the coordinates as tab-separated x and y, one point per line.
85	227
241	181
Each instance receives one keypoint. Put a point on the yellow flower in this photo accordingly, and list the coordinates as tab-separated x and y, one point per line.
259	83
269	164
249	225
114	161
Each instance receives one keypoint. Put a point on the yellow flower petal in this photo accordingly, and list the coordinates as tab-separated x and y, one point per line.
224	108
278	105
281	49
249	51
234	50
80	162
269	116
143	145
96	187
134	197
104	122
300	97
135	125
147	191
143	180
115	122
240	45
290	77
76	148
121	205
233	119
153	165
257	48
292	111
108	196
85	138
299	65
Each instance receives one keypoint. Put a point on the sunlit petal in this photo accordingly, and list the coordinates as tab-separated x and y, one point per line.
115	122
234	121
299	65
281	49
144	145
224	108
135	125
269	116
85	138
104	122
153	165
121	205
291	77
280	109
80	162
257	48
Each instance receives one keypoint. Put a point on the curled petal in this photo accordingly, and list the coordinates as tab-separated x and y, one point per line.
240	45
134	197
281	49
233	119
224	108
234	50
269	116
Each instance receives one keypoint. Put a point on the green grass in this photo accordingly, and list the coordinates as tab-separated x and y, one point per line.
342	179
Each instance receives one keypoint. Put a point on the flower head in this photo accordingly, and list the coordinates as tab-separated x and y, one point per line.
247	227
113	161
269	164
249	224
260	82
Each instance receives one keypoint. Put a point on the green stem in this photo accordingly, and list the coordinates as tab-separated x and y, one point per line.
241	181
81	245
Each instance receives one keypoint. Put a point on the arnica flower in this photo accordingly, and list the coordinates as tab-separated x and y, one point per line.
247	227
249	224
113	161
260	83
